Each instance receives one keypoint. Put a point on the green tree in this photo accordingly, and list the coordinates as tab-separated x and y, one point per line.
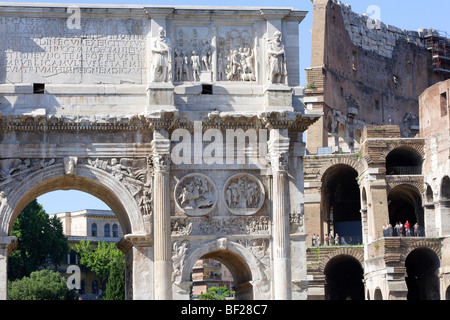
215	293
41	242
101	260
115	287
40	285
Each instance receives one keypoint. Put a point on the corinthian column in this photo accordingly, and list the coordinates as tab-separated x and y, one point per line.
161	207
278	152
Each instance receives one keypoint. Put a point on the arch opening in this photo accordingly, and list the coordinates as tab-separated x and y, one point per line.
404	161
239	269
445	189
429	195
405	205
208	273
378	295
344	279
87	185
422	275
341	204
92	223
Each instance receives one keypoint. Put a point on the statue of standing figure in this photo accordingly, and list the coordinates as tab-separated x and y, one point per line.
161	57
277	60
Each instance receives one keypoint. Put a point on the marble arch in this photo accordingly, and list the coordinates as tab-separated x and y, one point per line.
243	264
90	180
100	120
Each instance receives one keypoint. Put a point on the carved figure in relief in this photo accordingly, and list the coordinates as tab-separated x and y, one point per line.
179	251
243	194
193	64
178	66
186	67
206	55
196	66
161	57
195	194
22	166
237	56
118	169
146	202
70	165
220	67
277	61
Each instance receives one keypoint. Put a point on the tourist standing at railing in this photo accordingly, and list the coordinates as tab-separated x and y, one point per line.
416	230
318	241
407	230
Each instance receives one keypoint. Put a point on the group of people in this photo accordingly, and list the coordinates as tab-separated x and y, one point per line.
329	240
401	230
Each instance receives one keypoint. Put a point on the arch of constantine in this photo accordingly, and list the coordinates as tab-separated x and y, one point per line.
189	123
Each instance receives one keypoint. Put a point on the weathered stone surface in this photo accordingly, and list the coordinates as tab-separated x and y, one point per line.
160	112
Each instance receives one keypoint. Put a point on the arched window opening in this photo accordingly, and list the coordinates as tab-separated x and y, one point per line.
445	189
404	161
429	195
341	204
93	230
405	208
344	279
107	230
115	230
364	199
378	295
422	280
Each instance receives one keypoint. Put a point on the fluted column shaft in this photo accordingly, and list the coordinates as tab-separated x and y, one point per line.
161	220
281	240
279	155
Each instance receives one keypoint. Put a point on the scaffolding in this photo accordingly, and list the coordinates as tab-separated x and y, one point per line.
439	44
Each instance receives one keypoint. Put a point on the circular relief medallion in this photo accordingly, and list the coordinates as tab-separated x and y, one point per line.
243	194
195	195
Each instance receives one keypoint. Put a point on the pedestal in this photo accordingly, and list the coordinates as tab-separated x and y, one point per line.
278	97
160	96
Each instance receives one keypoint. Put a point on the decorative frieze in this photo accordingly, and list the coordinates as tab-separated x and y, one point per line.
220	226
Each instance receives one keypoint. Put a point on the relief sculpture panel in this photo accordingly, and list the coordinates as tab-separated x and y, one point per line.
195	195
193	54
243	194
236	54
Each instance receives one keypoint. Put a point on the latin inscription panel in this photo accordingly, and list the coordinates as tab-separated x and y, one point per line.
45	50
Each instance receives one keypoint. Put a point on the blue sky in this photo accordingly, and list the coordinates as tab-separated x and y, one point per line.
404	14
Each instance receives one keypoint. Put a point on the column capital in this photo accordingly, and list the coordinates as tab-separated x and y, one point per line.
134	240
161	162
279	161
